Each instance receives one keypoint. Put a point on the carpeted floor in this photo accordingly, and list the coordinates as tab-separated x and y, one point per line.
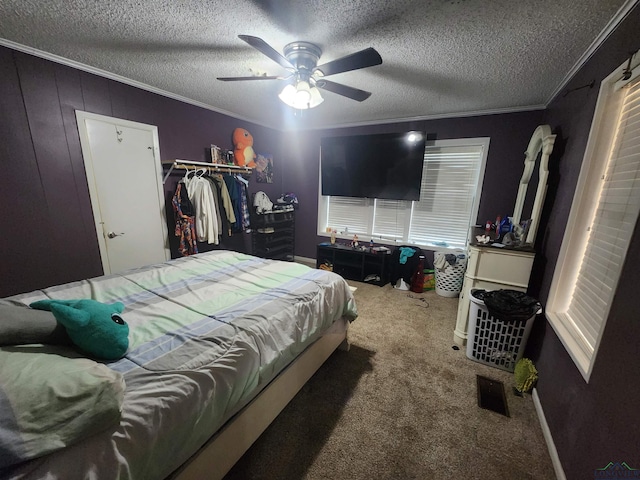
401	404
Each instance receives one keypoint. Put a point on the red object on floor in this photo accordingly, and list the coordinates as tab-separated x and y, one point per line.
417	281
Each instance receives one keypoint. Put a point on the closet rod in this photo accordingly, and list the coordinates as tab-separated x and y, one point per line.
212	167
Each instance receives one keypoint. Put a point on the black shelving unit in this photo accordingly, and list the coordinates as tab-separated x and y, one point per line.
273	235
353	263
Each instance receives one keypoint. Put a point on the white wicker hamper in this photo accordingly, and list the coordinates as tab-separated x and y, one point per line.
496	342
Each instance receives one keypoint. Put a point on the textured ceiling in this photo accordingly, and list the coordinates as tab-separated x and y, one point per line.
440	58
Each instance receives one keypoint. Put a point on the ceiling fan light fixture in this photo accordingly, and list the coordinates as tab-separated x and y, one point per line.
288	95
301	60
301	95
316	98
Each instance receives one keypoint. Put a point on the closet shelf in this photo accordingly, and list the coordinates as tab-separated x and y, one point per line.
211	167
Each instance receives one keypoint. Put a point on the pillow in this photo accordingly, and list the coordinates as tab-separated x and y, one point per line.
51	397
24	325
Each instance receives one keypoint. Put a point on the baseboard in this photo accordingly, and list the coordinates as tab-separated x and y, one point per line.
310	262
555	459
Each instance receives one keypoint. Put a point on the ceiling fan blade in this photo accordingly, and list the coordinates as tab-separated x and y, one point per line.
264	48
258	77
362	59
344	90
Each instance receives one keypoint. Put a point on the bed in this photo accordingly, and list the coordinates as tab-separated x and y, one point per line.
219	343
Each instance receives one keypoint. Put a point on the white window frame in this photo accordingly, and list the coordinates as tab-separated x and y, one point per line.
323	202
596	157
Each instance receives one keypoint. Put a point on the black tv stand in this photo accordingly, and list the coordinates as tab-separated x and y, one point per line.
354	263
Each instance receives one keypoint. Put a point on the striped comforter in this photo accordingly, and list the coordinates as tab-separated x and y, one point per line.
207	332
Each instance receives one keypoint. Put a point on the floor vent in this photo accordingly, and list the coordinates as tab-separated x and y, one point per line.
491	395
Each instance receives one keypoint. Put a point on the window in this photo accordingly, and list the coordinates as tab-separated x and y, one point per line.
449	196
603	216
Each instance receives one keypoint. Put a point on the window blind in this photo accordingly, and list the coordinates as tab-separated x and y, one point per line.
349	212
610	231
390	218
449	180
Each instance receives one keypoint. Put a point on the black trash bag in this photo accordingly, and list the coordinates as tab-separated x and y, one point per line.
508	305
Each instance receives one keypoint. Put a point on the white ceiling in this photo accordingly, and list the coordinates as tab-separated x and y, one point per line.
440	58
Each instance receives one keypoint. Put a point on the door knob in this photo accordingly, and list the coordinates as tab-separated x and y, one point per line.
114	234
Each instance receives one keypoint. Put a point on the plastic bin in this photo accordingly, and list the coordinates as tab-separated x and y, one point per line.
449	281
498	342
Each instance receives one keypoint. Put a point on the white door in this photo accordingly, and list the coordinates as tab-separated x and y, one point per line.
122	162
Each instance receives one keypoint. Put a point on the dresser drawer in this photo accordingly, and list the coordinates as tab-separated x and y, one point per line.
500	266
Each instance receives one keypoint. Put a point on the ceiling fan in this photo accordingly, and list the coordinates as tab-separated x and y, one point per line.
301	60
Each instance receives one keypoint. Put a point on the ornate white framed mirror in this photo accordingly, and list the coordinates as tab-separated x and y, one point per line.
537	155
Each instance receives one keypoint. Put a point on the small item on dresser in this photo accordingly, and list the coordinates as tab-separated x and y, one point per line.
333	237
509	239
354	242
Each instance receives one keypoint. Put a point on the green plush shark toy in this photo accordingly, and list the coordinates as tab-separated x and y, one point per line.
96	328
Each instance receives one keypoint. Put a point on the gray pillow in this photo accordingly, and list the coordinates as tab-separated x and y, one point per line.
24	325
51	398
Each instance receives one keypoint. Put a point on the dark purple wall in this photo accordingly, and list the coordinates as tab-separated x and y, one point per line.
48	235
595	423
509	133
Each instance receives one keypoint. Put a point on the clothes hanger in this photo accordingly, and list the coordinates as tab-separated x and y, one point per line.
187	178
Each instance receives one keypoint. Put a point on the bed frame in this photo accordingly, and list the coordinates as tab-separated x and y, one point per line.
215	459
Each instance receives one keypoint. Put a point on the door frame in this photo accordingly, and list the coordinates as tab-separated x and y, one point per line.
81	117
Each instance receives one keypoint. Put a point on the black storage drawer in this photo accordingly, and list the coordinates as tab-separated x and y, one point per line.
354	264
273	235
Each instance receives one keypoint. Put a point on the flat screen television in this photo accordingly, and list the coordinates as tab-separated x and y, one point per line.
387	165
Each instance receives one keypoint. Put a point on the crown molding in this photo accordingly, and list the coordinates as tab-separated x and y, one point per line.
600	39
476	113
118	78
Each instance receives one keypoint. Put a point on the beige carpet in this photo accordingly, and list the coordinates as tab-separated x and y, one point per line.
402	404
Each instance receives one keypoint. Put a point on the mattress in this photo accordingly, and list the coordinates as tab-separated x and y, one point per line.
207	333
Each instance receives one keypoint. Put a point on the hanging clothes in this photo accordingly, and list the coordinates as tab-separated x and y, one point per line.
234	195
216	201
185	228
244	203
201	196
225	200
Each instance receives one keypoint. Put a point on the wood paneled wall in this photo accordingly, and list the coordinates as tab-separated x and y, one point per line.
48	234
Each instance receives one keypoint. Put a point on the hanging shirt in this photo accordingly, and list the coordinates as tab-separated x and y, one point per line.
226	199
234	194
185	228
216	201
201	196
244	203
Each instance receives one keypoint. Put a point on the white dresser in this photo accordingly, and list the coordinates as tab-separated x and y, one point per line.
495	268
491	268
